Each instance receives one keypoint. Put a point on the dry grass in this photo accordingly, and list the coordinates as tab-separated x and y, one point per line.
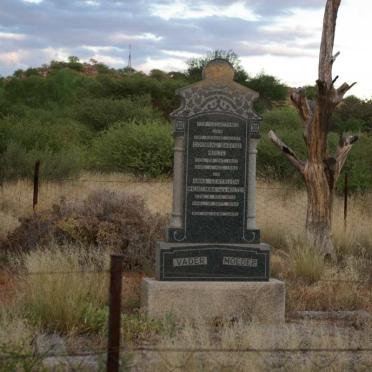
281	215
16	197
280	212
328	296
242	335
306	264
280	209
65	289
73	304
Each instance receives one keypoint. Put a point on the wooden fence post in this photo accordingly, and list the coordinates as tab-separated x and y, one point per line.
36	184
113	345
346	192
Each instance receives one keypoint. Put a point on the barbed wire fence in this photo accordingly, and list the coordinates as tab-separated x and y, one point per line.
322	357
158	198
284	204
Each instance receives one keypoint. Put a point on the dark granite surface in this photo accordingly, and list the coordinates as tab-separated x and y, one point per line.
217	262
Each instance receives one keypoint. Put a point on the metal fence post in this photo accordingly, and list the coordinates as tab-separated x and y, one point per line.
113	345
36	184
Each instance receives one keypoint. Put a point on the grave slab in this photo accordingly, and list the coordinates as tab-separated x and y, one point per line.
256	301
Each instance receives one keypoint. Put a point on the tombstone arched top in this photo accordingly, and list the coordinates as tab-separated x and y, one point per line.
218	70
217	93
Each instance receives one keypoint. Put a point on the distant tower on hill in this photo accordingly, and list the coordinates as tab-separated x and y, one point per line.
129	67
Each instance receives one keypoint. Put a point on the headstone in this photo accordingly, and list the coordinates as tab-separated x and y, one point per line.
213	233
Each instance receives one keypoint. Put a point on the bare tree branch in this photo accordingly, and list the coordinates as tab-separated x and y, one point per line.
299	99
341	91
335	57
287	151
343	149
334	80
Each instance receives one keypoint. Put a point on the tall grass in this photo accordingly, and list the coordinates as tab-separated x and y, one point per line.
306	264
62	289
281	210
241	335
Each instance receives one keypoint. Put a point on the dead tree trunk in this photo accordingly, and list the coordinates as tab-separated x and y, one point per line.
320	171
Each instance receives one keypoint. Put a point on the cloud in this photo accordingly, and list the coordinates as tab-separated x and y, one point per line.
121	37
33	1
189	10
166	33
11	36
11	58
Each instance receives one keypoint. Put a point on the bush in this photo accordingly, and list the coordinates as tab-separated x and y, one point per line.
59	145
141	149
162	93
104	219
270	88
17	162
359	165
101	113
61	86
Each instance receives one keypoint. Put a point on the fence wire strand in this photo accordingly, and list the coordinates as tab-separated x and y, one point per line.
190	350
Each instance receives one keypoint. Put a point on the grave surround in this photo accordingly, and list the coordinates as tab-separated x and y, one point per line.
212	264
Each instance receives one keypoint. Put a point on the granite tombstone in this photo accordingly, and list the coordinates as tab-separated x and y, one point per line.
213	233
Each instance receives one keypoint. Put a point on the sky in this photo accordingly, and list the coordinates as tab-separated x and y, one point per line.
277	37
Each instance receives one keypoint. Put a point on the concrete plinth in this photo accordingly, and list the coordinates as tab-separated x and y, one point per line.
257	301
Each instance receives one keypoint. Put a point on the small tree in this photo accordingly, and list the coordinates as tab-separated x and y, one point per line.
320	171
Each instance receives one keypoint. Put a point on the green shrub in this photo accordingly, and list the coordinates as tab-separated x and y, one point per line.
270	89
101	113
36	91
141	149
359	165
280	118
17	162
60	145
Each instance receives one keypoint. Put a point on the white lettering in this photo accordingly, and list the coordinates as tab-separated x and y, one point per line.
216	214
217	138
218	181
215	189
216	153
212	196
190	261
217	167
223	145
240	261
218	160
216	204
216	124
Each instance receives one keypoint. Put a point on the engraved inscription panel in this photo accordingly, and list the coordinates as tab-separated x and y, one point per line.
215	177
212	262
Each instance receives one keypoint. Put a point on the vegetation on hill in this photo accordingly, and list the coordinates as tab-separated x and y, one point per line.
77	116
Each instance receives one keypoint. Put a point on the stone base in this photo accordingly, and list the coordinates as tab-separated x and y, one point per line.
256	301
